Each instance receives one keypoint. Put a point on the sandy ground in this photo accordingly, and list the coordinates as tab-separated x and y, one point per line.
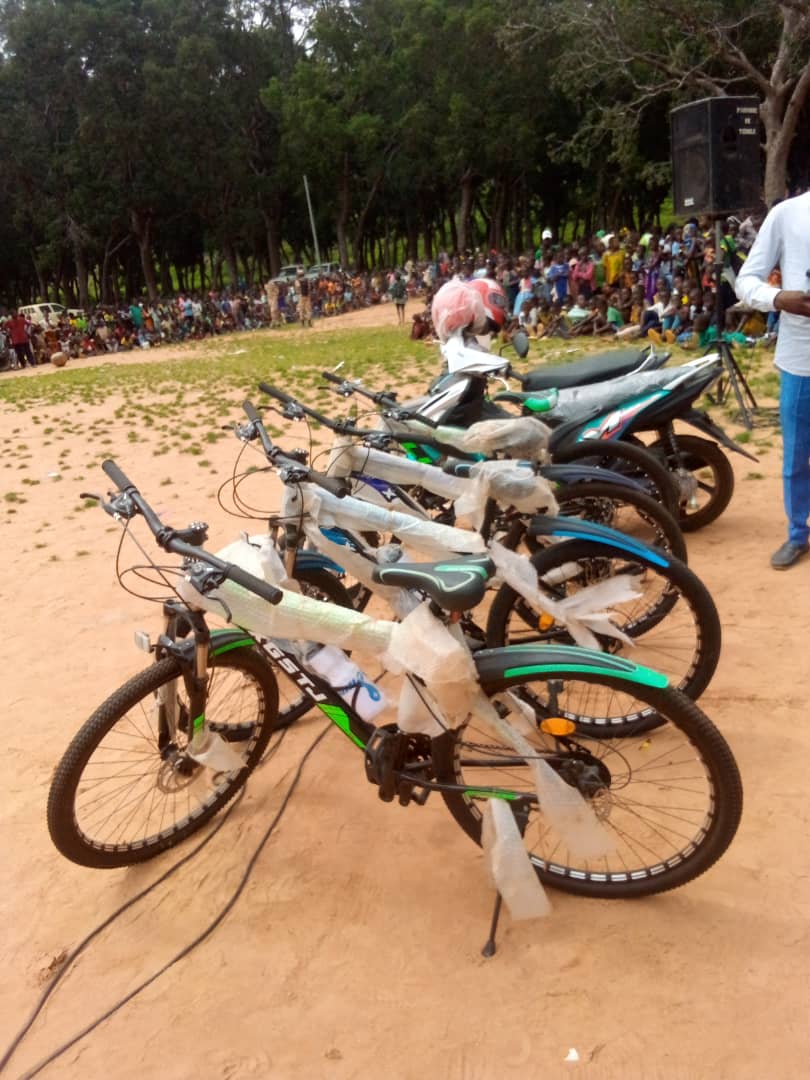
354	950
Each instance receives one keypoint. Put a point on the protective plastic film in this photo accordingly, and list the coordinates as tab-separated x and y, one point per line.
456	306
296	617
510	485
584	614
437	541
424	646
562	806
521	437
510	865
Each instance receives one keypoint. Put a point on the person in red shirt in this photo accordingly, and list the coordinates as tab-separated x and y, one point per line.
19	330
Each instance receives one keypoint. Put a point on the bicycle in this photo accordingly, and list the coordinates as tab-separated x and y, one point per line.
670	801
671	620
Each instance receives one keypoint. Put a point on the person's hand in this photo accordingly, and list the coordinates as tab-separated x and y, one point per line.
793	302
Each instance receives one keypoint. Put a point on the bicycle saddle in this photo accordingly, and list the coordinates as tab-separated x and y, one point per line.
455	584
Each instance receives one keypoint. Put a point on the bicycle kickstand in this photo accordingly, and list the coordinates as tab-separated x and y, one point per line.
521	813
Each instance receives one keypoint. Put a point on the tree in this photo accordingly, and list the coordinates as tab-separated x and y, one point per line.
691	48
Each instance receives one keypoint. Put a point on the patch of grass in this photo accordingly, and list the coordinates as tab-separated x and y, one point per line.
14	497
743	437
755	476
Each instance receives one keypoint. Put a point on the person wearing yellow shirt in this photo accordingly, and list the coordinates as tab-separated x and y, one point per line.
613	262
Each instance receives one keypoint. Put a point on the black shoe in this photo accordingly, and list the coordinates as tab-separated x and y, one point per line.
788	554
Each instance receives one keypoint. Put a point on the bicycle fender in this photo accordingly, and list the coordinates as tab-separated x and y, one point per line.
223	641
703	422
499	668
314	560
573	528
575	474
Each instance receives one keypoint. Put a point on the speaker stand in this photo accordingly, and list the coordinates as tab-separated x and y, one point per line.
734	376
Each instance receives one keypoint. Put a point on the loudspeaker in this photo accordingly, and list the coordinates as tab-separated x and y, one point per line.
715	155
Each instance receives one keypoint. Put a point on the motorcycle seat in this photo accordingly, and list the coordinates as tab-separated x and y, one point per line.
591	369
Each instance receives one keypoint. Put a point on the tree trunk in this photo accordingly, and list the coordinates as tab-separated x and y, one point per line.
230	262
342	219
464	210
141	222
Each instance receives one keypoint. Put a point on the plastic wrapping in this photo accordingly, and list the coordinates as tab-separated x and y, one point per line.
455	307
424	646
582	401
509	484
562	806
463	353
510	865
584	614
215	753
437	541
401	470
297	616
359	566
259	556
417	711
522	436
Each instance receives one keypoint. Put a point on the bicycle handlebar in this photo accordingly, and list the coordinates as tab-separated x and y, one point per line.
379	397
277	457
167	538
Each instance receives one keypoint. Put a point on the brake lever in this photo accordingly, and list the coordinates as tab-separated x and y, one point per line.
292	411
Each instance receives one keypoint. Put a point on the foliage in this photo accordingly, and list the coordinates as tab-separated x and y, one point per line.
152	144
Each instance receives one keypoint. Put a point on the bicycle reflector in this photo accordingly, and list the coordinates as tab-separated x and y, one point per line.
557	725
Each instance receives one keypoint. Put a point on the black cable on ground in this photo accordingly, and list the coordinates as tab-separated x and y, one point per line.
15	1044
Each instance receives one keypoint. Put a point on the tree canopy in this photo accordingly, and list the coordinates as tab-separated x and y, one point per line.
149	144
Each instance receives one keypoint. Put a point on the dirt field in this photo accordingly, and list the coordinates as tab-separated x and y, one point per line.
354	950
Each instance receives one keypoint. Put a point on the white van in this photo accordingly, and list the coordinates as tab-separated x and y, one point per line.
44	315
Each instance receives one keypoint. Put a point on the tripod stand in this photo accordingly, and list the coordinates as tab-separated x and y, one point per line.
733	377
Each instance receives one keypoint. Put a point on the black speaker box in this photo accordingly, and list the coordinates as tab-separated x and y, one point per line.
715	156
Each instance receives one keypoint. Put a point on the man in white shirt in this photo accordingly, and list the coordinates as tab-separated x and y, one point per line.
784	241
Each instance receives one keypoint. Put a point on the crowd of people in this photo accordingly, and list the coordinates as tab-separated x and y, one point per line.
654	283
649	283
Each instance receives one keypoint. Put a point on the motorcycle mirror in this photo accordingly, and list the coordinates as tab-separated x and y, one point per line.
520	341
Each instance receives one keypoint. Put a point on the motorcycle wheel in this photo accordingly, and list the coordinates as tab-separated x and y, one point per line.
708	480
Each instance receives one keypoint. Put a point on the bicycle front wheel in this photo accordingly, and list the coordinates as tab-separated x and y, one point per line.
670	799
122	793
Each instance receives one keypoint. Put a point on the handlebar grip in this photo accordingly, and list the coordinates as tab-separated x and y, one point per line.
253	584
333	484
115	474
332	378
279	395
252	414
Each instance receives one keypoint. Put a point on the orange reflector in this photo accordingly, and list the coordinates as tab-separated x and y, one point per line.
545	622
558	725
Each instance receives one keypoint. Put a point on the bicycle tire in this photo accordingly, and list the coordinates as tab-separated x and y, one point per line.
676	629
167	774
698	455
323	585
685	821
634	461
632	512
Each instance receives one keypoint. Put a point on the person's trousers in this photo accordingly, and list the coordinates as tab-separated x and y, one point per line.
794	412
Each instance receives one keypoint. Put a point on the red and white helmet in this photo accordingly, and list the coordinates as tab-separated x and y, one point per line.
494	300
457	306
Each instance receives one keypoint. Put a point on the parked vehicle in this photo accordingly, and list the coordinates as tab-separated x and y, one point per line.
318	270
44	315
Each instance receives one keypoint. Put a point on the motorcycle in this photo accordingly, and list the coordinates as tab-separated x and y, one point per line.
650	402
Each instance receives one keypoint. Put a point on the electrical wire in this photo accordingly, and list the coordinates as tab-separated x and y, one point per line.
212	926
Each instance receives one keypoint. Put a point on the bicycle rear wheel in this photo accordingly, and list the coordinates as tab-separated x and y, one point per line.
630	512
636	462
670	799
121	795
673	624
